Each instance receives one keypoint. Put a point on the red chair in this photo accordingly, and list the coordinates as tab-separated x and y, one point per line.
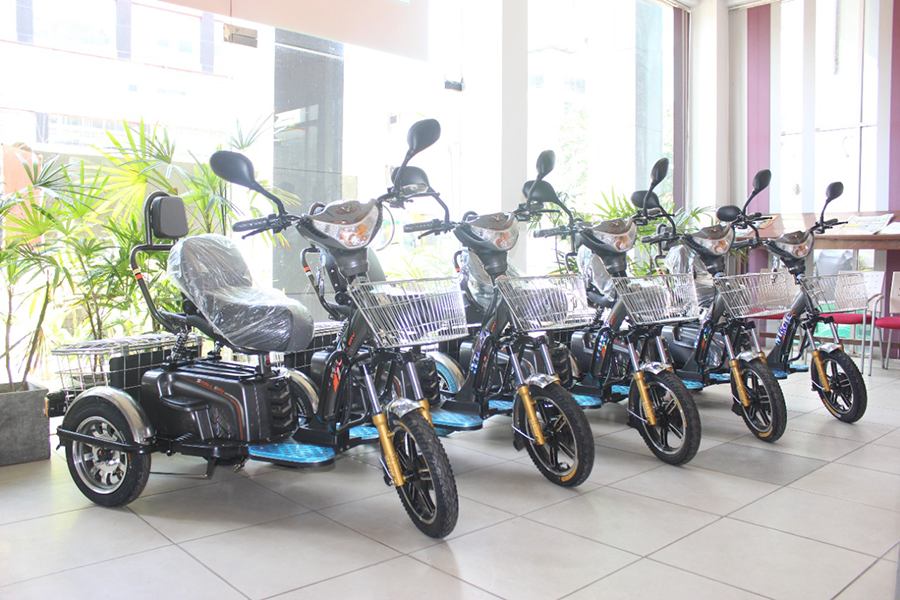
891	323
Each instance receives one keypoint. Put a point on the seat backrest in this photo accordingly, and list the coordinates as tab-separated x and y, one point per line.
168	218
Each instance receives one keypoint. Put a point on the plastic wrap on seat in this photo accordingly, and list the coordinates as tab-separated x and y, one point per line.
211	272
595	274
680	260
477	280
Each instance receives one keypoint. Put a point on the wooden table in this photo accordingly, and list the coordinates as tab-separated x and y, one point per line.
834	241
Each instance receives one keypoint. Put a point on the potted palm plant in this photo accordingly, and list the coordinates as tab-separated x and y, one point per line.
29	275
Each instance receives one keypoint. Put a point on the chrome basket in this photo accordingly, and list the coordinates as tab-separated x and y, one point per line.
412	312
757	294
845	292
116	362
545	303
659	298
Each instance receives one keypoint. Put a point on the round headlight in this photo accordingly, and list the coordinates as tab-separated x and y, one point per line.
499	229
717	246
349	223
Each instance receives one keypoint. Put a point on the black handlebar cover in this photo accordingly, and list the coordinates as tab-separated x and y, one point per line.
251	224
426	226
540	233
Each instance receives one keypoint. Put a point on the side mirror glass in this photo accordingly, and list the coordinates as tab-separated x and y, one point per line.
834	190
728	213
422	135
637	199
659	171
761	180
545	163
233	167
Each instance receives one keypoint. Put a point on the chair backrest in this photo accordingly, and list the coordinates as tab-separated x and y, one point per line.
894	293
874	281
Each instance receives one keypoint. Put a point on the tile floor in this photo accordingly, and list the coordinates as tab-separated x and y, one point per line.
816	515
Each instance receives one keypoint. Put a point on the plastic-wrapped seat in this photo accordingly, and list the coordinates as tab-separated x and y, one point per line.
211	272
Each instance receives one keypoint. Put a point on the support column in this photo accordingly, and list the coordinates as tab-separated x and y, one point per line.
758	112
892	259
514	160
708	134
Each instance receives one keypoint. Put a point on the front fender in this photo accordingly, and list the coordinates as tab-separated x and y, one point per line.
829	347
655	367
541	380
401	406
747	356
141	430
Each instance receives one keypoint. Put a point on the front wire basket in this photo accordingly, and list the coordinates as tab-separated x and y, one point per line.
546	303
412	312
845	292
757	294
659	298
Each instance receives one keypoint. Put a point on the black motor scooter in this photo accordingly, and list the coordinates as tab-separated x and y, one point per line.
229	412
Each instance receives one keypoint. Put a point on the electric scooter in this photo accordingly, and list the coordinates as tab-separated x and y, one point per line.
228	412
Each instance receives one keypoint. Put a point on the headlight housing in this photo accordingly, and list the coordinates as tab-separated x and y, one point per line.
499	229
351	224
717	246
796	250
622	241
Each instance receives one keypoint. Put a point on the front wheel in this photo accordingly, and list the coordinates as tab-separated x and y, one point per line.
766	417
429	493
848	397
676	436
567	456
105	477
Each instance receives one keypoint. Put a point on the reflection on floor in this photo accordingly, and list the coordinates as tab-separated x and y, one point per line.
816	515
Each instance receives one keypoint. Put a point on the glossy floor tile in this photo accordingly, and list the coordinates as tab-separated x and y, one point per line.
814	515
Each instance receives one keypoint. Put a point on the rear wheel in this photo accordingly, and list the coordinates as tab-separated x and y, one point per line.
567	456
766	417
676	436
848	397
106	477
429	493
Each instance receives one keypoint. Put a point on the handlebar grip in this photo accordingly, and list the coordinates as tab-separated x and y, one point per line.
252	224
540	233
755	216
742	244
426	226
830	222
654	239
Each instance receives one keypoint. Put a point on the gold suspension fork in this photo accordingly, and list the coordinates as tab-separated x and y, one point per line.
736	375
417	390
531	414
641	382
820	367
379	419
527	401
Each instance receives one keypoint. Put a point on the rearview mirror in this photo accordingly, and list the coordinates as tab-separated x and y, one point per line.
834	190
761	180
422	135
233	167
545	163
728	213
659	171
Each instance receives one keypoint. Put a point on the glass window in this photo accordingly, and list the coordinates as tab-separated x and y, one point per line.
167	35
791	64
600	93
838	63
88	27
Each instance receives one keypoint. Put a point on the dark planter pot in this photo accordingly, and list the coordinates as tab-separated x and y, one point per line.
24	428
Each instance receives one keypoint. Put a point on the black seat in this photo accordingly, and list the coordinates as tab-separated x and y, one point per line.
212	273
